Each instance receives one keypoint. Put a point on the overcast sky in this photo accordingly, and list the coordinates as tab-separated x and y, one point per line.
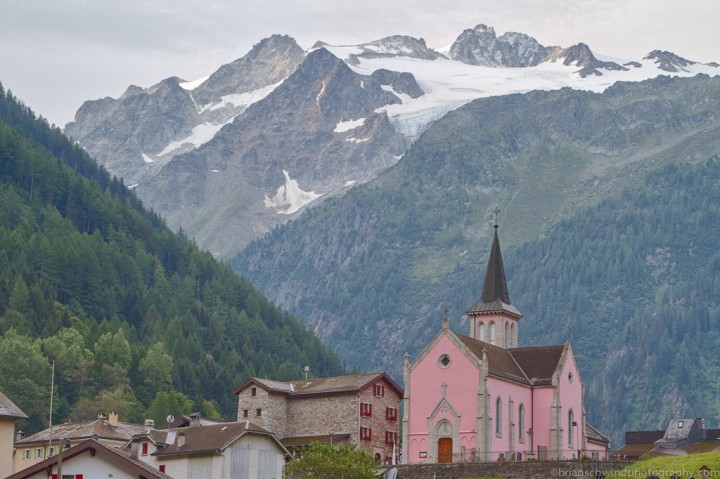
55	54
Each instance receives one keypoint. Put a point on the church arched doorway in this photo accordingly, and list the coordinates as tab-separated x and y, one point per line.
445	450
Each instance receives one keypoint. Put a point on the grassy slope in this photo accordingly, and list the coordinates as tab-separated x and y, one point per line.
665	466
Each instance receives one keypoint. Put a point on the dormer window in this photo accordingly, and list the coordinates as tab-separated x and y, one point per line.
680	423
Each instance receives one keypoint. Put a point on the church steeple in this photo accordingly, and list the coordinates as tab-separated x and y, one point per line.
493	317
495	286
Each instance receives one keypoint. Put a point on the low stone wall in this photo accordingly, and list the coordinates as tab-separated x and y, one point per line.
510	470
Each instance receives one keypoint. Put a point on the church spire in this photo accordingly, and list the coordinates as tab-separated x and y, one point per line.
495	286
495	296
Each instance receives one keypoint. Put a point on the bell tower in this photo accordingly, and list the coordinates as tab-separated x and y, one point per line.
493	318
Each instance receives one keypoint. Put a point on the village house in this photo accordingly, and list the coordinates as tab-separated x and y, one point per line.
681	436
222	451
107	430
9	413
90	459
358	410
482	398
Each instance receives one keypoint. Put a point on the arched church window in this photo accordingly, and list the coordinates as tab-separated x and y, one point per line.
498	417
481	330
492	332
521	423
513	337
571	424
507	334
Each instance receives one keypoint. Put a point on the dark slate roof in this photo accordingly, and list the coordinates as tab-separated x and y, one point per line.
500	361
539	362
211	438
712	434
532	366
320	386
642	437
9	409
99	428
495	296
134	466
675	432
594	435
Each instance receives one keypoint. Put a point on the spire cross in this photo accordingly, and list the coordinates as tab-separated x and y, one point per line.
444	387
496	211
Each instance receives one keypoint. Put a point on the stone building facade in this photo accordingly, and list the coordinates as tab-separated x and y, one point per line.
359	410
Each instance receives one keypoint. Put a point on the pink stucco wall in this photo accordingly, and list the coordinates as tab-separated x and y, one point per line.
506	390
461	384
426	392
571	399
541	417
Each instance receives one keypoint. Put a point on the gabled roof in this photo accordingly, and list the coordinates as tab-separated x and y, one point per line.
495	296
593	435
539	363
321	386
500	362
213	438
9	409
111	454
532	366
97	429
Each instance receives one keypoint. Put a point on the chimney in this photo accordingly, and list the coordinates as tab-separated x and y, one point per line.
101	415
181	440
195	419
134	447
19	436
149	425
113	418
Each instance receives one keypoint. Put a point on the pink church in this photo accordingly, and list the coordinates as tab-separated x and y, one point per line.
482	398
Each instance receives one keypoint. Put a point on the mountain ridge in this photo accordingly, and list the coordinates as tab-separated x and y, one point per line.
427	83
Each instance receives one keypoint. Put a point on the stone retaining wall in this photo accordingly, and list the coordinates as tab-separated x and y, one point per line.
510	470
